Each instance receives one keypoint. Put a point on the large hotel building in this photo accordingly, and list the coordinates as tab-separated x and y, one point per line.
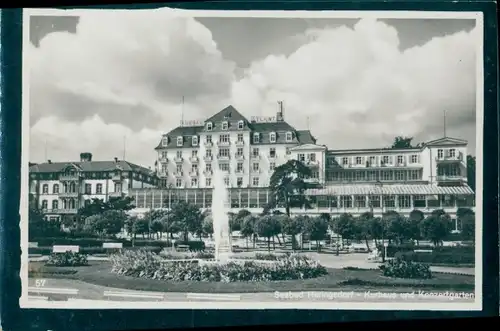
432	176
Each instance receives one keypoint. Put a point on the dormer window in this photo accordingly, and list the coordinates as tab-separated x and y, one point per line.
240	125
210	126
272	137
164	141
225	125
289	137
256	138
195	140
179	141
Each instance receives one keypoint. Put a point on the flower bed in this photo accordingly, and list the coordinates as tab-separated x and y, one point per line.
169	255
148	265
67	259
399	268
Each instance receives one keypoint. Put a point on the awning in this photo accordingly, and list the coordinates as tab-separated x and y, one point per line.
390	190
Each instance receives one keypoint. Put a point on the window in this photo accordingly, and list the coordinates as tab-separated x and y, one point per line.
224	138
88	188
87	202
288	152
224	167
208	139
400	175
164	155
419	201
387	175
179	168
256	138
241	125
272	166
195	140
414	158
240	137
360	201
272	137
452	152
208	167
440	153
385	159
179	141
55	204
374	201
302	157
359	160
208	182
226	181
288	137
194	168
55	188
194	153
239	151
255	167
194	182
255	152
239	181
239	167
255	181
45	204
360	176
164	141
272	152
224	152
208	152
72	187
178	183
210	126
312	157
98	189
118	187
404	201
225	125
346	201
372	175
400	159
414	175
389	201
372	160
179	154
45	188
345	161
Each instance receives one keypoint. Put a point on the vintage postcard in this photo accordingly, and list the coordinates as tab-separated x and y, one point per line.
252	160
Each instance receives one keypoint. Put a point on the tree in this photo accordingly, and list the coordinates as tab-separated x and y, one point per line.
345	227
234	222
402	142
436	227
121	203
242	213
248	228
208	225
113	221
471	172
467	218
363	228
39	227
188	216
317	228
267	227
292	226
98	206
156	227
414	220
395	226
287	185
377	229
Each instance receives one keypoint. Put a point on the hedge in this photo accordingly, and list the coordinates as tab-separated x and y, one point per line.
438	257
92	250
392	250
97	242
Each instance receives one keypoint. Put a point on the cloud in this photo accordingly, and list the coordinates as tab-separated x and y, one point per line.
358	88
130	68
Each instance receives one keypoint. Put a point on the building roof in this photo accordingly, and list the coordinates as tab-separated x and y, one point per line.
89	166
226	113
397	189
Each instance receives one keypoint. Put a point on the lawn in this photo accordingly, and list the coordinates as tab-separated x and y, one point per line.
98	273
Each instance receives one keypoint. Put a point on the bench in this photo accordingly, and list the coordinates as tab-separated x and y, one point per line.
183	248
64	249
423	251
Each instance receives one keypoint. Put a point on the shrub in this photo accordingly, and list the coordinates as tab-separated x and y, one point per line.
438	257
399	268
267	257
67	259
90	250
194	245
392	250
148	265
180	256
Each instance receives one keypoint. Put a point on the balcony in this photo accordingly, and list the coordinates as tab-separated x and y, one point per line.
178	159
312	164
69	177
223	157
117	177
240	171
115	194
223	143
272	156
255	157
194	159
65	211
68	194
193	173
449	159
240	143
256	171
400	164
208	144
208	173
163	159
239	156
450	178
208	158
179	174
163	174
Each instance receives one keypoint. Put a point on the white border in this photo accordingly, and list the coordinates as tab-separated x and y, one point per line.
435	306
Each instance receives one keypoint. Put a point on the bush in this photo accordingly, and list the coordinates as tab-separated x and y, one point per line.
392	250
67	259
147	265
438	257
399	268
181	256
194	245
97	242
91	250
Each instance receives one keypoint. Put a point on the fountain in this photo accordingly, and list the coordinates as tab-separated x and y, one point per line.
220	217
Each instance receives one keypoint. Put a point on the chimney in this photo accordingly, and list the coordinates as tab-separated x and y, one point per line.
279	115
116	160
49	161
85	157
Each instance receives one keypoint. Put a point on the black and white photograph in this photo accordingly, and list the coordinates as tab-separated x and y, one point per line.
179	159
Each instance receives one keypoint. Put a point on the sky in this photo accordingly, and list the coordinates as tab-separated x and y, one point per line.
112	84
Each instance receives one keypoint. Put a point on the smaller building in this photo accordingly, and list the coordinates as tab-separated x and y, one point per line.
59	189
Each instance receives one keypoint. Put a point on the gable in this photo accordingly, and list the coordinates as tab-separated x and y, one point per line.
446	141
227	114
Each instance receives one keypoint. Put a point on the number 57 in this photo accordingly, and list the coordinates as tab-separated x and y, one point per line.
40	282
